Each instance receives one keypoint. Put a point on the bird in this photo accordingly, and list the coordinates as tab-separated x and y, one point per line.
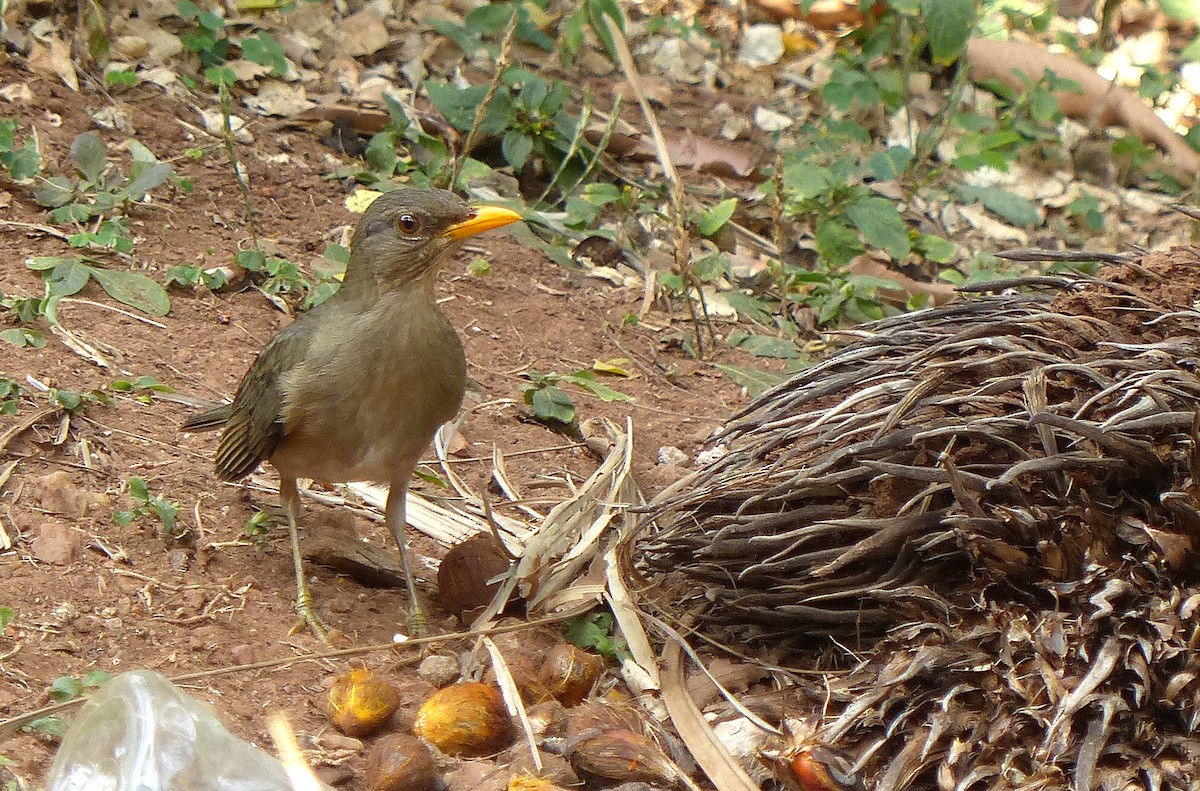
356	388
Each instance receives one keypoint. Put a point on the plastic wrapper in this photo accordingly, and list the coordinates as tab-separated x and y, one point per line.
140	732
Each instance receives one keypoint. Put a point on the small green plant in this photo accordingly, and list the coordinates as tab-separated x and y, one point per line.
10	402
66	688
7	616
528	114
67	276
209	40
594	632
551	405
141	388
74	401
282	282
190	275
157	506
98	192
22	161
120	78
258	526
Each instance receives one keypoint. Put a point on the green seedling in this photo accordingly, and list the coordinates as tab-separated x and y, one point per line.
10	402
22	161
156	506
595	631
189	275
67	688
551	405
98	191
142	388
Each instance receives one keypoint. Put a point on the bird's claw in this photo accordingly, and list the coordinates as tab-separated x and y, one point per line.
310	619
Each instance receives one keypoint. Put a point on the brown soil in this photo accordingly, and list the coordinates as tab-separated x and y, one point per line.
91	595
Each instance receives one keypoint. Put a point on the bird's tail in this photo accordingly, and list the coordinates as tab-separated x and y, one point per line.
208	421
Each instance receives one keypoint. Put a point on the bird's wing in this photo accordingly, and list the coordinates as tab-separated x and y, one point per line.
255	424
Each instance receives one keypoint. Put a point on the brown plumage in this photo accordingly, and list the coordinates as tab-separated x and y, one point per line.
355	389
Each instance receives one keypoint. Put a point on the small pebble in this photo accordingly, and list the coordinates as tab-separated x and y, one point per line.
438	669
669	454
242	654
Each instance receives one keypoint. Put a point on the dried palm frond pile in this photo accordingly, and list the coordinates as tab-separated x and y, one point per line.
993	507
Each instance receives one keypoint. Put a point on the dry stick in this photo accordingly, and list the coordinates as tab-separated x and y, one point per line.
674	192
9	725
501	66
227	138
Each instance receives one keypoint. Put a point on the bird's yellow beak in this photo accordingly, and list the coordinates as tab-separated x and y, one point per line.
483	218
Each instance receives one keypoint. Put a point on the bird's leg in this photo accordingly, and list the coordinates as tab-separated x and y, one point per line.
289	496
394	515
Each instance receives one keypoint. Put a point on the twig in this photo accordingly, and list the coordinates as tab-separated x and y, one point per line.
480	111
674	187
114	309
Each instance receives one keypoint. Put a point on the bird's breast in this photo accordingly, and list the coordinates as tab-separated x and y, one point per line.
370	396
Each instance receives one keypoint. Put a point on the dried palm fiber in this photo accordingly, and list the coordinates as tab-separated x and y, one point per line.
996	501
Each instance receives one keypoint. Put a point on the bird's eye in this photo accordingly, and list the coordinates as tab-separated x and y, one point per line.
408	224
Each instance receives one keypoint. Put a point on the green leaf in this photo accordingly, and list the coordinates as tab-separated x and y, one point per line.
138	489
516	147
64	688
711	267
124	518
1008	205
22	337
550	403
749	307
456	104
804	181
147	179
7	614
837	243
88	154
67	278
949	24
712	220
133	289
95	678
890	164
597	10
54	192
587	380
935	248
488	18
755	381
50	726
768	346
881	225
24	162
1181	9
265	50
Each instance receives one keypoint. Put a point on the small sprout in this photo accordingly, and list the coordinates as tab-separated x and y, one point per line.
143	386
158	506
479	267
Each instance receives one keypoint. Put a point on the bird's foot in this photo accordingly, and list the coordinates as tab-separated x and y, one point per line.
310	619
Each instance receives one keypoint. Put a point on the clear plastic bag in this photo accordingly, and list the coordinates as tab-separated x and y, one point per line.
140	732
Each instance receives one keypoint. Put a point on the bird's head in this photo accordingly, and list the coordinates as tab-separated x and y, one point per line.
406	234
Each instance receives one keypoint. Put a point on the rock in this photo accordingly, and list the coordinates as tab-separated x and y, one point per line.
762	46
56	543
438	669
672	456
58	494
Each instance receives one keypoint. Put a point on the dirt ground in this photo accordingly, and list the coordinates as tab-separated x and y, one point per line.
91	595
